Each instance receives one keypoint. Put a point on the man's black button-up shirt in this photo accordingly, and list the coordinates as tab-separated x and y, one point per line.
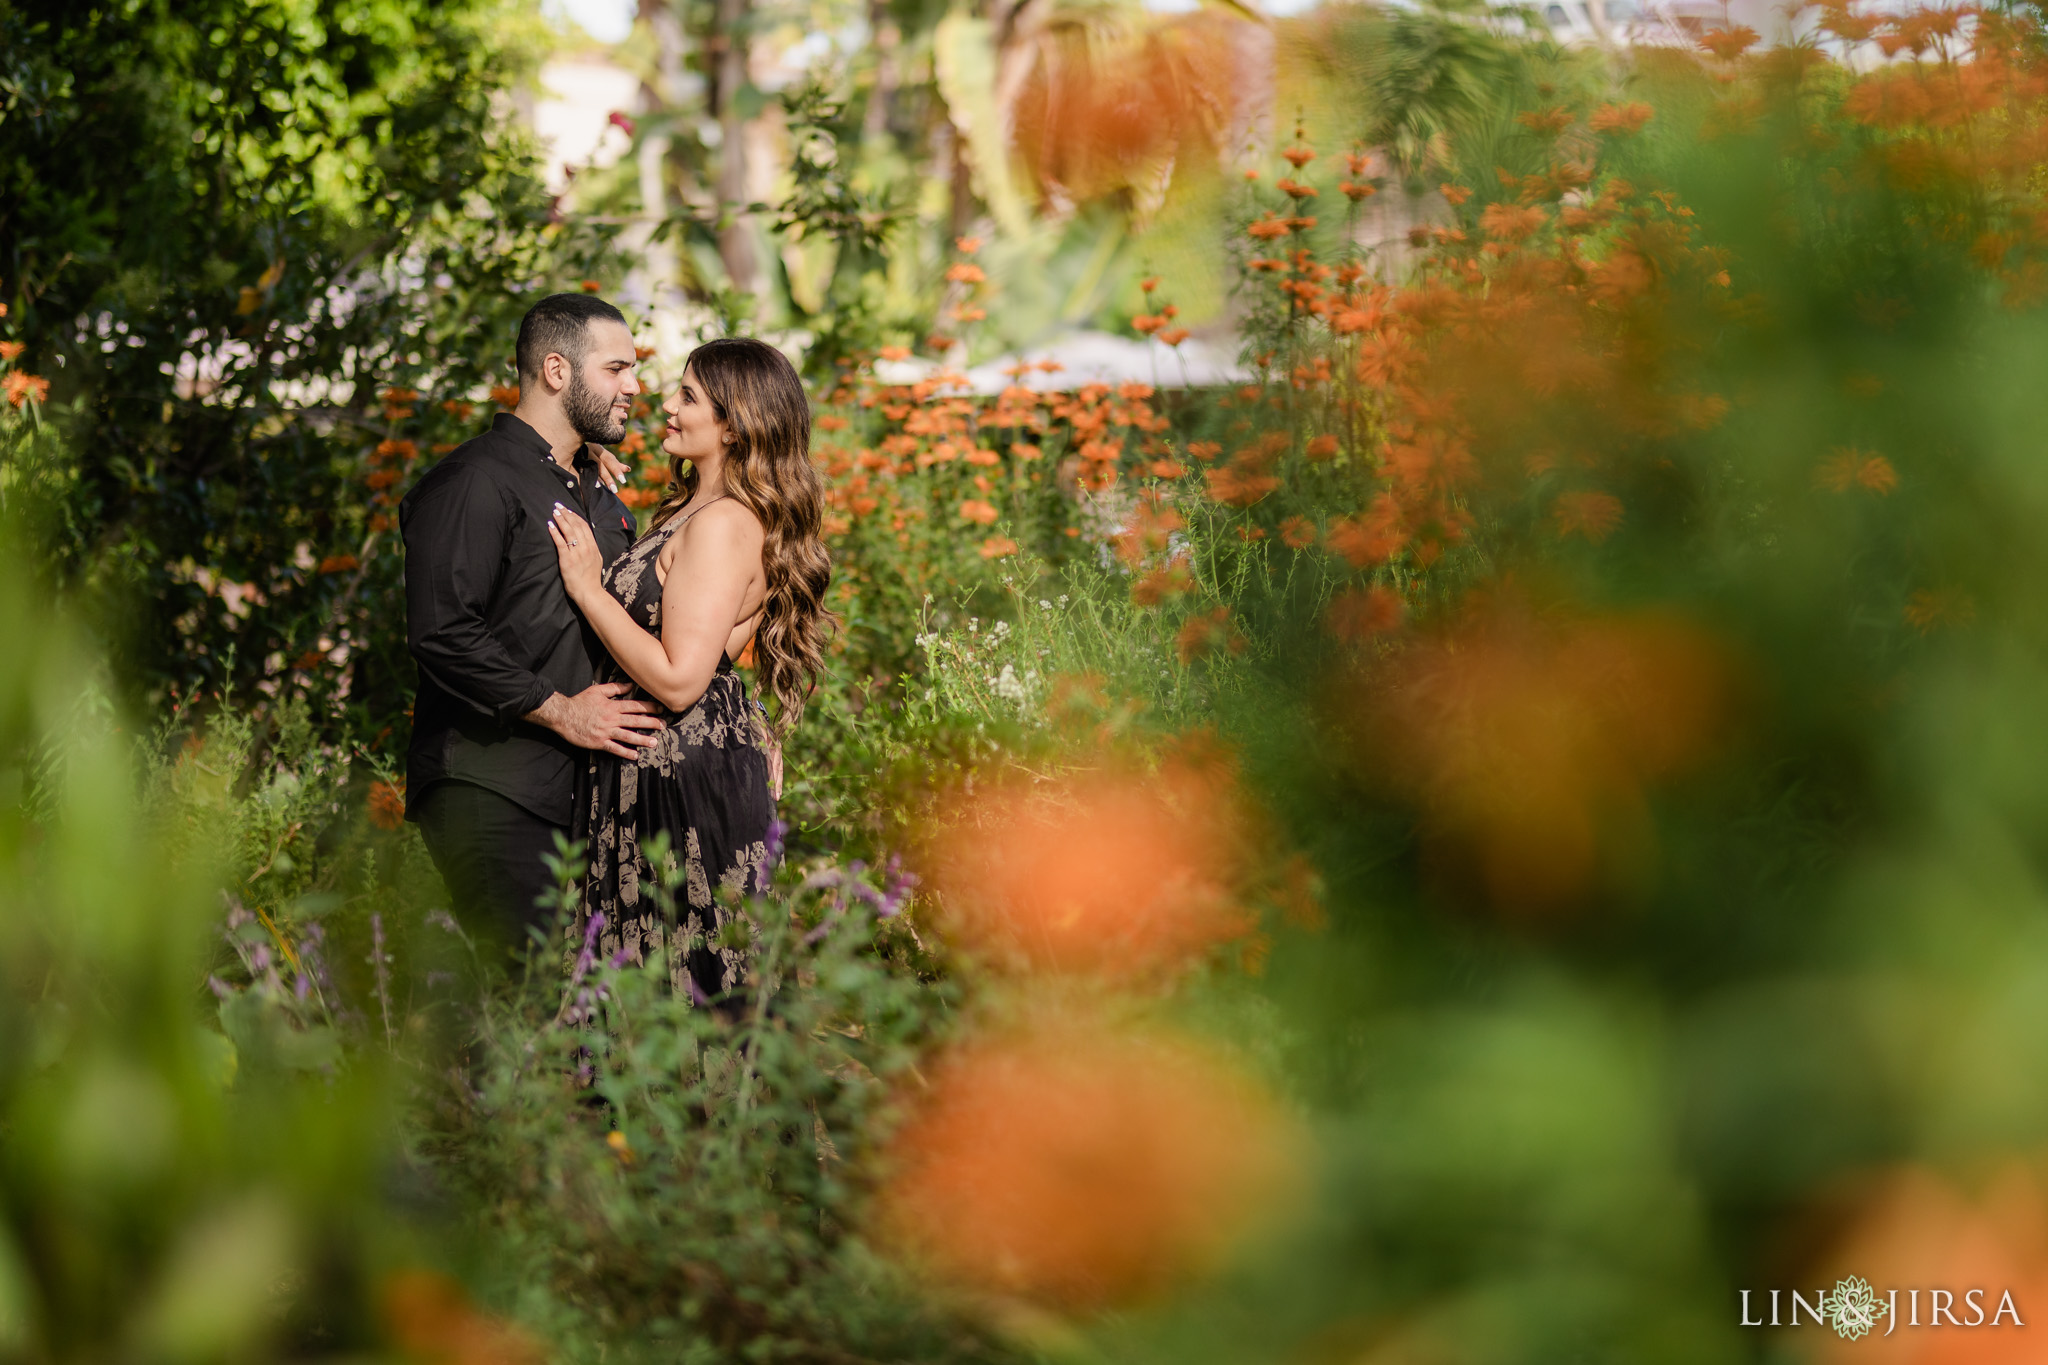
488	620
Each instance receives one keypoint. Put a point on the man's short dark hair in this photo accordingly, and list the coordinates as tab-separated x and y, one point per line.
560	325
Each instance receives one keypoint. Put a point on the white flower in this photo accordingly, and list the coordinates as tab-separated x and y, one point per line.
1010	687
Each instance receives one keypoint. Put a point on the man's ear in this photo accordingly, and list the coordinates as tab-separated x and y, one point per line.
554	371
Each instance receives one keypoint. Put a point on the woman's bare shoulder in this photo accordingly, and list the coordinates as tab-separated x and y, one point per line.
727	521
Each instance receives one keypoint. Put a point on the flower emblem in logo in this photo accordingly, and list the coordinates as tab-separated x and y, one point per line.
1853	1308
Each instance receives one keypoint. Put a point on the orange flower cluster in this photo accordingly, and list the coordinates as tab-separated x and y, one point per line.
1080	1170
386	804
20	387
1208	632
935	457
1061	1158
1528	743
1984	1249
1564	295
1119	875
430	1318
968	278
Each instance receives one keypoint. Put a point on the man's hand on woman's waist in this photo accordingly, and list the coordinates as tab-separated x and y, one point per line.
598	717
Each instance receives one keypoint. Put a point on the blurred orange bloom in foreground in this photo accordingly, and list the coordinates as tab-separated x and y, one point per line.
431	1319
1118	873
1919	1232
1077	1170
1528	743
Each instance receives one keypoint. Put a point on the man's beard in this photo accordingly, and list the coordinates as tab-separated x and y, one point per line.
590	413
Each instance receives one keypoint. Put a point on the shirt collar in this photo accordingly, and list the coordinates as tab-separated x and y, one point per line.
519	431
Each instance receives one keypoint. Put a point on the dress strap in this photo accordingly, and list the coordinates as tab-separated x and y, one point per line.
695	510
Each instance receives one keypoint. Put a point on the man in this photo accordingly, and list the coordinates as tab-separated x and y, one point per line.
508	700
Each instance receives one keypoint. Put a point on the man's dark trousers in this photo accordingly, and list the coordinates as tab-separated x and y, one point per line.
488	851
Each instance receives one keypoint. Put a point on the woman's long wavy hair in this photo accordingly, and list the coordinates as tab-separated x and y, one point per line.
755	392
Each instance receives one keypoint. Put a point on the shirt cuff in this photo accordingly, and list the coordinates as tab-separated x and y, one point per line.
532	702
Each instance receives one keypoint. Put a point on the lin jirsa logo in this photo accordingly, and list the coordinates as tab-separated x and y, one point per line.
1854	1309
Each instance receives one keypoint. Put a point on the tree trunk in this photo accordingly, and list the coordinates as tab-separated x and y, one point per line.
728	48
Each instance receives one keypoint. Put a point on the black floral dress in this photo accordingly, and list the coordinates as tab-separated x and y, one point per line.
705	784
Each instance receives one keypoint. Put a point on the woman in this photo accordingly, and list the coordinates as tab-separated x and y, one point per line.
733	555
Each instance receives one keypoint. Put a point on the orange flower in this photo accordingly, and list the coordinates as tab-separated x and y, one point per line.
979	512
592	286
893	353
1155	587
10	350
381	478
966	272
1107	873
1620	119
1526	744
505	395
1585	513
1321	448
998	547
1729	43
1511	222
1850	468
1268	228
1147	323
1931	607
967	246
1454	194
1238	485
1294	188
1914	1227
1149	283
1374	538
1206	634
1553	120
1080	1169
338	564
1174	336
1297	533
1024	450
1152	525
1359	615
25	388
387	804
1298	156
404	450
430	1318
